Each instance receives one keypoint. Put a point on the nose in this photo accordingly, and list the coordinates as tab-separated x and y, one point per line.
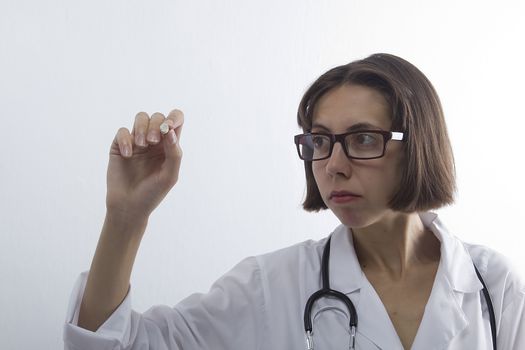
339	163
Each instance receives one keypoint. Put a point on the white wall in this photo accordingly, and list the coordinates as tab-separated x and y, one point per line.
73	72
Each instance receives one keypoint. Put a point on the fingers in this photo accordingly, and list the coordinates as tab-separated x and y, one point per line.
140	129
172	149
153	133
122	143
175	120
171	128
146	130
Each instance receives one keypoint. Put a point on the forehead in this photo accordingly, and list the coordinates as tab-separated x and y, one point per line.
348	105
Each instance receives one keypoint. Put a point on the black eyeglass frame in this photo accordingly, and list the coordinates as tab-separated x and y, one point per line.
387	136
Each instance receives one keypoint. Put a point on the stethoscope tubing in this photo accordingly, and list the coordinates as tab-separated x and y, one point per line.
326	291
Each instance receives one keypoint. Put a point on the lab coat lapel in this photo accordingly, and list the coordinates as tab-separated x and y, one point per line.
444	318
347	277
374	322
345	272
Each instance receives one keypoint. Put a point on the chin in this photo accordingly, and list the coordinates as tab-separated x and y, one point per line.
357	218
352	218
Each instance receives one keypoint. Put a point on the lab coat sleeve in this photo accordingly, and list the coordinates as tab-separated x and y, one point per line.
506	284
230	316
512	329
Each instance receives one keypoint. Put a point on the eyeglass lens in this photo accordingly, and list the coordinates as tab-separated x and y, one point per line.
359	145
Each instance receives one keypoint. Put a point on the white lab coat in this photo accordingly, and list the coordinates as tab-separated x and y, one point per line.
259	304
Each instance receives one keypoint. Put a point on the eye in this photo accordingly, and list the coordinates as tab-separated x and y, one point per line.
365	139
319	141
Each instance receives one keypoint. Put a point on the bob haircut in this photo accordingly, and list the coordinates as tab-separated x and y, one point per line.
428	179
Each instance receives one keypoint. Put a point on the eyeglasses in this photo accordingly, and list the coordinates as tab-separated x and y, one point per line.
362	144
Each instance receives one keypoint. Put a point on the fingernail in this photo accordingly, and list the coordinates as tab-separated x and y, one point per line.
127	151
173	137
141	140
153	138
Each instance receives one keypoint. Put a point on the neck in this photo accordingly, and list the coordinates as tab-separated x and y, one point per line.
395	245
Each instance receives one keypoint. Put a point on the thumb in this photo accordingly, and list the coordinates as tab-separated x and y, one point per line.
173	156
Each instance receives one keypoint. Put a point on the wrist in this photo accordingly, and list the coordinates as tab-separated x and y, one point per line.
125	218
119	223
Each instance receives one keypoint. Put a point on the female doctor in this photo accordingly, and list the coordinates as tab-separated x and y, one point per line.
390	276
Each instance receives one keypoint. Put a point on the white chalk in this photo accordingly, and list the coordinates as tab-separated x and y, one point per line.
164	128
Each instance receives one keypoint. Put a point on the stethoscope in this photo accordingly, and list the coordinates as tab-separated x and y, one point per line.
326	291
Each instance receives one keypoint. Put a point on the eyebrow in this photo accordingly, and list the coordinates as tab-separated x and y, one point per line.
358	126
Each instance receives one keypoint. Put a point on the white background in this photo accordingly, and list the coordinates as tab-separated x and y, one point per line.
73	72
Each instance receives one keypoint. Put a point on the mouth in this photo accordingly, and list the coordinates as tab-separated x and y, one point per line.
343	194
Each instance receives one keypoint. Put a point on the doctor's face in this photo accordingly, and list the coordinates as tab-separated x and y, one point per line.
374	181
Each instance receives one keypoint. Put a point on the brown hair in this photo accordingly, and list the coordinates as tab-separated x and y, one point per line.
428	179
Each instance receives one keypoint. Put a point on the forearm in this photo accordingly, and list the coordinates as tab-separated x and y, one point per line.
109	275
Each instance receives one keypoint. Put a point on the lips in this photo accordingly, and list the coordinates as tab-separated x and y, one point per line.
343	194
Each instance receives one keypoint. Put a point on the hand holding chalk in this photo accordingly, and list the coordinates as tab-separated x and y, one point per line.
144	164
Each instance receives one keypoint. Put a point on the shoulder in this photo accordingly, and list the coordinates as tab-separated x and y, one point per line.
303	253
278	264
500	274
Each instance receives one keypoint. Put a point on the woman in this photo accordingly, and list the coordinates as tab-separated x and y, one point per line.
377	154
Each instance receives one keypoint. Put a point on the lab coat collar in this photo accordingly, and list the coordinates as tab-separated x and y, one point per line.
457	264
443	318
346	274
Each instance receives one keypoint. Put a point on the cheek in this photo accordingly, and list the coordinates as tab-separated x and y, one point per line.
390	176
378	178
318	171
